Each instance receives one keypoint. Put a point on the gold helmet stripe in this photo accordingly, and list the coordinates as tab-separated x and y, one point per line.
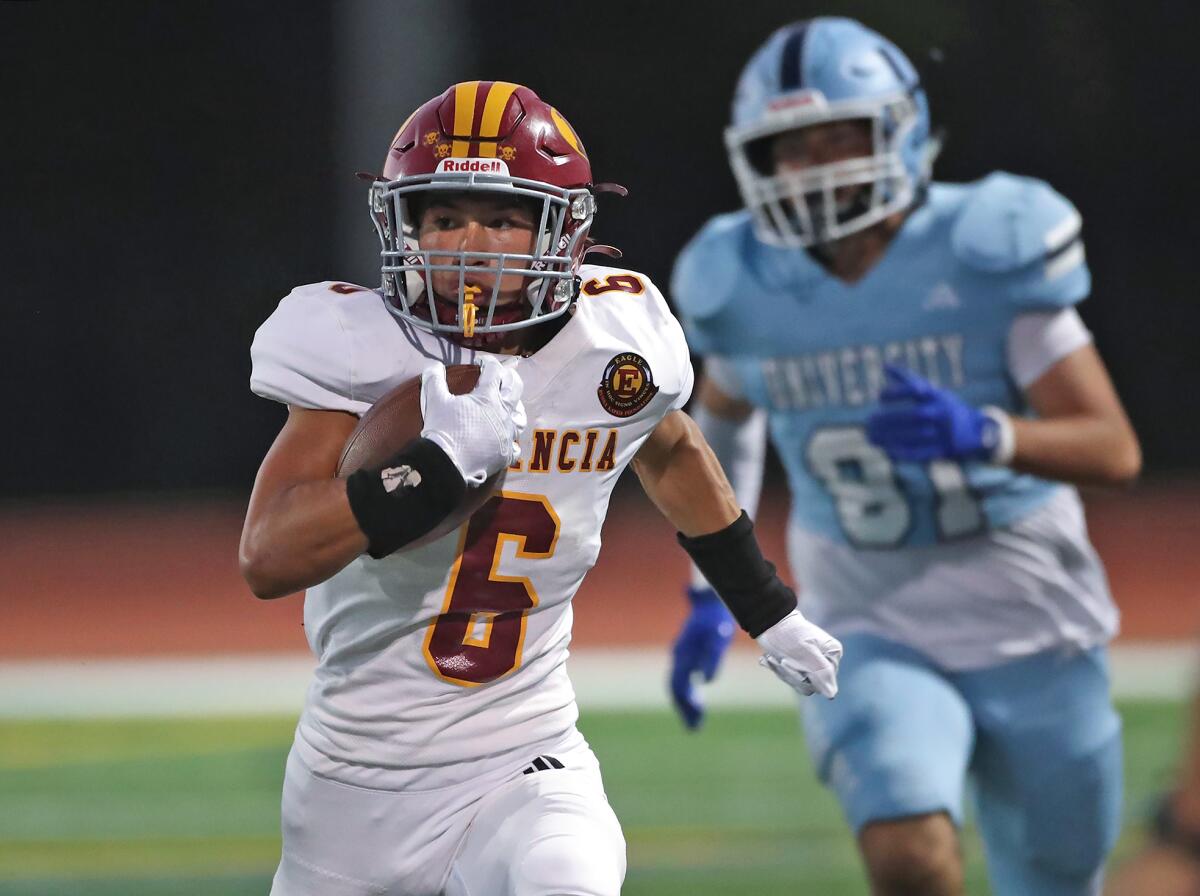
464	115
406	121
493	111
568	132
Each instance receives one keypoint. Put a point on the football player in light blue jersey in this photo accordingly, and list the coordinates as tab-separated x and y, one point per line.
914	351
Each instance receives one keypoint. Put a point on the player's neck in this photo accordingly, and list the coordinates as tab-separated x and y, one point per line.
852	257
530	339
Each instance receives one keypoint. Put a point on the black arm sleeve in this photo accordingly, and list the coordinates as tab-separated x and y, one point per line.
407	497
734	565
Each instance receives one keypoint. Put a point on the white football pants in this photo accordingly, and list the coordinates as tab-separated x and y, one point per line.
549	832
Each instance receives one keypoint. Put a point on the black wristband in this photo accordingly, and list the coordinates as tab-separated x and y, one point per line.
406	498
735	567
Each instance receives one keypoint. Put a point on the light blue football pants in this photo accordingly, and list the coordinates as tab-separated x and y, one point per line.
1037	738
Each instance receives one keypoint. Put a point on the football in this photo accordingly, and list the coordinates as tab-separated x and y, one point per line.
394	421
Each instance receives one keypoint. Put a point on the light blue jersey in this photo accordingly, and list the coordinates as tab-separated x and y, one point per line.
971	563
811	349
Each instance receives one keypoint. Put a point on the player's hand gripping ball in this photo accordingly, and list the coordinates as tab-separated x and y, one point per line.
479	429
473	412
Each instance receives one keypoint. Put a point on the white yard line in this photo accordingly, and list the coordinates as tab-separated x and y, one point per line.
616	678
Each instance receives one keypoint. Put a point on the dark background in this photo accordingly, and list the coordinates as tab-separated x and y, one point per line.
170	171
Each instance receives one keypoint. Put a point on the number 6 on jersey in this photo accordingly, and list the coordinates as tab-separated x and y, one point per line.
478	636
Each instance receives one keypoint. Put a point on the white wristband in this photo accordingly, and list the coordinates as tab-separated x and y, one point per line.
1006	440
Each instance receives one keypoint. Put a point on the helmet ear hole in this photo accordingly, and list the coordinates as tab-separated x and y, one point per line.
414	209
758	154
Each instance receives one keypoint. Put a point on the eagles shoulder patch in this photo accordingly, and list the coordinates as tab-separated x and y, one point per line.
627	385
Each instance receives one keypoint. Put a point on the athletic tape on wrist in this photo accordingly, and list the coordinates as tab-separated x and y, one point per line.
406	498
735	567
1006	440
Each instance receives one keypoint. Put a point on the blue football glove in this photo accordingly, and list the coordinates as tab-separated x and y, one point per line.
920	422
698	649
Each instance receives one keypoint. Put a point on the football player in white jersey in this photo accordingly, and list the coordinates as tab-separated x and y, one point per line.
437	751
914	349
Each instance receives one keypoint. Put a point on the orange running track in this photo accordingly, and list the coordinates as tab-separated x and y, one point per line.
159	577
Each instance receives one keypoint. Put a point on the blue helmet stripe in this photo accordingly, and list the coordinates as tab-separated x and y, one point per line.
791	72
1075	240
910	83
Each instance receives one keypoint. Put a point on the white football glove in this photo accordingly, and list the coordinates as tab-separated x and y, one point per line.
804	655
478	430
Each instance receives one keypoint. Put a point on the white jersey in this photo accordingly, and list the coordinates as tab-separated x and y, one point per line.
436	662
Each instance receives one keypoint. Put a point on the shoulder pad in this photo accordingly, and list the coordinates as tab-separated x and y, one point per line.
645	323
596	280
1007	222
625	295
1022	232
302	353
710	266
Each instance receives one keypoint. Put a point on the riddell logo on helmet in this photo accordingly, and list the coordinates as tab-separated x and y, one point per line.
796	99
469	166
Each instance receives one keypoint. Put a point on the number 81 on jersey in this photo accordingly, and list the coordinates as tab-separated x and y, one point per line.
872	508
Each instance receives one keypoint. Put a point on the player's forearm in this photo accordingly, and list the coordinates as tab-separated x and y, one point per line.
1084	450
684	479
305	535
739	444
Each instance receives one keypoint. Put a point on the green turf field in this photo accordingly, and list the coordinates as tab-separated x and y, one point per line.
133	808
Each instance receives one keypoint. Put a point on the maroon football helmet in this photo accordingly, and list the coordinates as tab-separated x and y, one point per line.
491	137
